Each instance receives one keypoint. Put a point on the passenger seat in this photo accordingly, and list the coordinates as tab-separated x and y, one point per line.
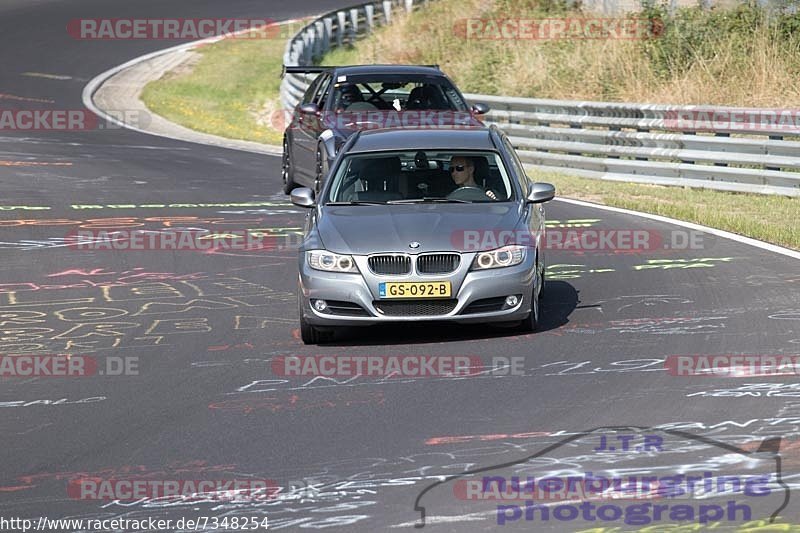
379	179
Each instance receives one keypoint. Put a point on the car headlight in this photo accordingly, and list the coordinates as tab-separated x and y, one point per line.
502	257
330	262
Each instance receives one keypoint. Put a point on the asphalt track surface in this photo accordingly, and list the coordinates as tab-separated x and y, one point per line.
348	454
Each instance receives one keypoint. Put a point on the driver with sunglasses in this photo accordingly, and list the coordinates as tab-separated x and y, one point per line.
462	170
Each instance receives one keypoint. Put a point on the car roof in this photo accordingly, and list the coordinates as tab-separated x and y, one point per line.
354	70
464	138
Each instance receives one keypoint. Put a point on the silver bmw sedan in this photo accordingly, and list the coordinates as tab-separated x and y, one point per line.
422	225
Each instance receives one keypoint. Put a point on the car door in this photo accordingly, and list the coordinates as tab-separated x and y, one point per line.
295	134
535	216
308	129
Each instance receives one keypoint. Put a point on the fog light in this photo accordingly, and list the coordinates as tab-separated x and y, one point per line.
511	301
320	305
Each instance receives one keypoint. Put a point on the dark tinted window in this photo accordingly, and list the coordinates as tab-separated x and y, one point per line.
421	175
322	92
308	97
519	170
396	92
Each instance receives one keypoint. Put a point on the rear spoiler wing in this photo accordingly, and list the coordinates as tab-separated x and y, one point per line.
301	69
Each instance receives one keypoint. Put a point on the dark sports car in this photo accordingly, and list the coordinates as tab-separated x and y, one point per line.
345	99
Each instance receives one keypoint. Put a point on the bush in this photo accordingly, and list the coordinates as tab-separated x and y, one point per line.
742	56
695	36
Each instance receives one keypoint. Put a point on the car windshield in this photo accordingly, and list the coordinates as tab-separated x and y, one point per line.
398	93
421	176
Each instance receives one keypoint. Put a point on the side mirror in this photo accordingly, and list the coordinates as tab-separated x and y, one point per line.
541	192
309	109
479	108
303	197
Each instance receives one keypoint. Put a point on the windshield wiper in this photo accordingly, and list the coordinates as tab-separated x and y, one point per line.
429	200
355	203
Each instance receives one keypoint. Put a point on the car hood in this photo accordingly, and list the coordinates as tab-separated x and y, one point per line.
365	229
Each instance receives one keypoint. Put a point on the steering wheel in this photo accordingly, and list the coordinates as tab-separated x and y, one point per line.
468	193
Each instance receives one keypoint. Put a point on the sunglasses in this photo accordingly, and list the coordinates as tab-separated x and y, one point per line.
457	168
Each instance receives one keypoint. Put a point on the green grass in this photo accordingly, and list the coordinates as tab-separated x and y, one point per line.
727	56
224	93
343	56
774	219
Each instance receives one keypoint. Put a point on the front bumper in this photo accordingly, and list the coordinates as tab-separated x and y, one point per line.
476	295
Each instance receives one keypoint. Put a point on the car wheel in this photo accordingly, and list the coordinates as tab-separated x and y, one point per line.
311	334
322	169
287	169
308	333
531	322
541	286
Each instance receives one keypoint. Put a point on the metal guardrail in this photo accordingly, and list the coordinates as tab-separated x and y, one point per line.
642	143
333	29
653	143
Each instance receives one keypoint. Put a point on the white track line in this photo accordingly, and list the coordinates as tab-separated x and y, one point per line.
691	225
95	83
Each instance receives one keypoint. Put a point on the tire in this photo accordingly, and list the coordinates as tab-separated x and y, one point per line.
311	334
541	287
322	169
531	322
287	169
308	333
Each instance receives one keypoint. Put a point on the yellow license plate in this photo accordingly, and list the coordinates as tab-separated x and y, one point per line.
414	289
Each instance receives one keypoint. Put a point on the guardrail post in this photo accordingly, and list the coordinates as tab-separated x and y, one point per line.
774	138
353	25
308	46
387	12
319	41
297	51
326	35
369	13
340	17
